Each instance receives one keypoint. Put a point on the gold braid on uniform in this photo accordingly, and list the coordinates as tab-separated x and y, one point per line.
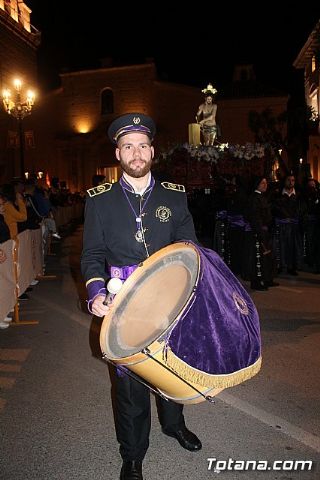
105	187
173	186
194	375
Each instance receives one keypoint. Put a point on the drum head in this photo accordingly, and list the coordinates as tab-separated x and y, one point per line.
151	300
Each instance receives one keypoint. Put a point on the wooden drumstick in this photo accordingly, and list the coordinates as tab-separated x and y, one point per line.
113	286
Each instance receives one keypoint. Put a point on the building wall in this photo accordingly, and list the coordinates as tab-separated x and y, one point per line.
177	105
18	58
312	96
233	116
308	59
70	132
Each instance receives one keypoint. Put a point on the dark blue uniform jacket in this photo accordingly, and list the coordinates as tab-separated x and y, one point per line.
110	226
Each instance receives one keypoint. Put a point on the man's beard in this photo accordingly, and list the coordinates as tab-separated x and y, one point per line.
137	172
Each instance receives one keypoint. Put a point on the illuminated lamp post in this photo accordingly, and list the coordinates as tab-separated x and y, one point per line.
19	106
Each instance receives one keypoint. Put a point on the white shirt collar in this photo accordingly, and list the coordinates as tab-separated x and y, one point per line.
284	192
139	192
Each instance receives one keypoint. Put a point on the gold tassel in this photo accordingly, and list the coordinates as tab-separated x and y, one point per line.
204	379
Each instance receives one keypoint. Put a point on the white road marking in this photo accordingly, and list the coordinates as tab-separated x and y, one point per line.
287	428
274	421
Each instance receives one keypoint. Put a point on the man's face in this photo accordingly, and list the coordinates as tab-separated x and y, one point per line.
311	184
289	183
263	185
135	153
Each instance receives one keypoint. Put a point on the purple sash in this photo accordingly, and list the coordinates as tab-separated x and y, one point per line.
121	272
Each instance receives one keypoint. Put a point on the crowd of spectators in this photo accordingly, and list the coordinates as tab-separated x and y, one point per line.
261	229
26	205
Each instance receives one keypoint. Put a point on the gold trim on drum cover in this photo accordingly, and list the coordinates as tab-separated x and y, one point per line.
204	379
170	379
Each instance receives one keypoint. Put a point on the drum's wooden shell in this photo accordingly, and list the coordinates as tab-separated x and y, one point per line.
154	371
171	385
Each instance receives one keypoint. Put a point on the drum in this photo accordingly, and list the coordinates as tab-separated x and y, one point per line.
184	324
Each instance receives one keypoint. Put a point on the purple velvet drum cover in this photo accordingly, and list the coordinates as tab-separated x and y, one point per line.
218	336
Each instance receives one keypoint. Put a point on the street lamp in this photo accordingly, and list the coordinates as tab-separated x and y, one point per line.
19	108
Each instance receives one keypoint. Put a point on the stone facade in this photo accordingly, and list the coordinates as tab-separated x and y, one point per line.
309	60
67	128
18	58
70	130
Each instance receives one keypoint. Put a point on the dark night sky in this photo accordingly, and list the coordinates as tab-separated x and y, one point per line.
192	45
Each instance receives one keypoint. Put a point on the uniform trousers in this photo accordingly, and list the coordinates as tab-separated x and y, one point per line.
260	257
290	246
133	416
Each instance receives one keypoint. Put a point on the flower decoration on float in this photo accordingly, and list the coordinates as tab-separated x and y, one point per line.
247	151
216	153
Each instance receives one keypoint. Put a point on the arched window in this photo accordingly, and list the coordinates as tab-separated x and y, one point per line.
106	101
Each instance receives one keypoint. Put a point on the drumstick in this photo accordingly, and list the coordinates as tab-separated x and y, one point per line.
113	286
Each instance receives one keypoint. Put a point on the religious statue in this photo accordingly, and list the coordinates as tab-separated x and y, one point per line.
206	115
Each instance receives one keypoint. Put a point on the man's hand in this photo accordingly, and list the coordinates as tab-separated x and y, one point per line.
98	308
19	197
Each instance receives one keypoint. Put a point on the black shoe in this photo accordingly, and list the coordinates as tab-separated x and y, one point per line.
23	296
187	439
258	286
272	284
131	470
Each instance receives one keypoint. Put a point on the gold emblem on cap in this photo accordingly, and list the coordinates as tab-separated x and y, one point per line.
136	120
163	213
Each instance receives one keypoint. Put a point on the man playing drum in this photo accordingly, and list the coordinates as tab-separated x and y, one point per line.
125	223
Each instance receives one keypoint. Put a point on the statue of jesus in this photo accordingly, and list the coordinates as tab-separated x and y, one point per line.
206	115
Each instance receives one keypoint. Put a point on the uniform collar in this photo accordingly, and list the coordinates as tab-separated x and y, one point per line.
285	192
125	183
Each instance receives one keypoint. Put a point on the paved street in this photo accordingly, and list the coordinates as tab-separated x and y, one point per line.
56	420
